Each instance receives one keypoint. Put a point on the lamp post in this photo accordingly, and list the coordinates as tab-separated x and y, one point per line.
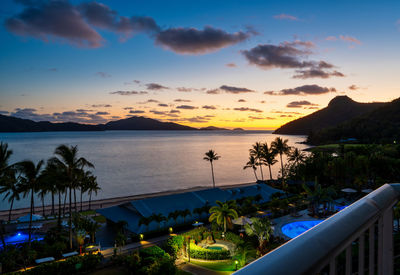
236	264
189	249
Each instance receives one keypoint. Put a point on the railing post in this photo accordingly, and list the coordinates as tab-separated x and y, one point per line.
387	242
361	253
348	260
371	258
332	266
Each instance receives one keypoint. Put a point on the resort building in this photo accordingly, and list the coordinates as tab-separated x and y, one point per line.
132	212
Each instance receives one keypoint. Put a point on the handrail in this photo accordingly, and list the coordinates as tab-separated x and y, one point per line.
311	251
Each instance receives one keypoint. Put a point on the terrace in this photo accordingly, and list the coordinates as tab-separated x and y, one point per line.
358	239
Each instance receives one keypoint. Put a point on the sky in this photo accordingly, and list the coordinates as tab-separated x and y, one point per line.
248	64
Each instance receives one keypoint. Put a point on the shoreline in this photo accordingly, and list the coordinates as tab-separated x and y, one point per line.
108	202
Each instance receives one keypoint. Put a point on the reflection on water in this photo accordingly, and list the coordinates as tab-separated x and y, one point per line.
138	162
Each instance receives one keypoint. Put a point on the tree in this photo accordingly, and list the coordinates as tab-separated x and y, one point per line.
256	152
92	187
67	159
243	252
268	157
145	221
184	214
280	147
5	155
199	211
297	156
252	163
261	228
211	156
158	218
30	180
174	215
10	187
223	213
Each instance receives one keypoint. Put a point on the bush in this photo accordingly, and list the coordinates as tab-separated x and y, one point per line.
232	237
173	245
198	252
152	251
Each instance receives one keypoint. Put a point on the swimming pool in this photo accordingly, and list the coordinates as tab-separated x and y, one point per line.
294	229
19	238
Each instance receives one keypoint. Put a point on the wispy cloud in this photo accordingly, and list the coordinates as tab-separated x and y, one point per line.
303	90
127	93
284	16
300	104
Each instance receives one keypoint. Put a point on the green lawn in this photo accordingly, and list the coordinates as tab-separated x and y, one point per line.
99	219
227	265
88	212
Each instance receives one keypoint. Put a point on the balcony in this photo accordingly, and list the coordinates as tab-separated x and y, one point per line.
357	240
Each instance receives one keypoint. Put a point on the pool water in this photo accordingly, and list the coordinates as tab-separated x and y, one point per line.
215	247
294	229
19	238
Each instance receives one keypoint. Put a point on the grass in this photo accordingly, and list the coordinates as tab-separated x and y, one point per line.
88	212
227	265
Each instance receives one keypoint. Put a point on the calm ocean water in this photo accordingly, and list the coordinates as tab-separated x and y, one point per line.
139	162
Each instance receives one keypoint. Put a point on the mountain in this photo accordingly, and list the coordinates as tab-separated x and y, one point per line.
339	110
143	123
381	125
14	124
213	128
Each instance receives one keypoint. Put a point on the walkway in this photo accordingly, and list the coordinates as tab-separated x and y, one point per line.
195	269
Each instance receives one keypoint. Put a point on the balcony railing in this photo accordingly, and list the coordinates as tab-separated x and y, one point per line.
364	228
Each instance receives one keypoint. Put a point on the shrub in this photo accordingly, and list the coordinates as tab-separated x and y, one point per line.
152	251
232	237
173	245
198	252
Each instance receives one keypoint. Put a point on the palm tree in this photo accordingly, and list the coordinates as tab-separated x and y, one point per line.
280	147
174	215
268	157
5	155
67	159
158	218
30	181
223	213
261	228
9	186
296	156
252	163
42	191
184	214
145	221
92	187
256	152
199	211
243	252
211	156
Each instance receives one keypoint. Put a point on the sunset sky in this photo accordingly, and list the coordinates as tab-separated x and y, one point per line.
248	64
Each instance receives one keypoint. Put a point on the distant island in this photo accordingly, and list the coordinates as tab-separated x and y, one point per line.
14	124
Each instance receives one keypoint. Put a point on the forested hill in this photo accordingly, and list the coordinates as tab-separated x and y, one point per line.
381	125
339	110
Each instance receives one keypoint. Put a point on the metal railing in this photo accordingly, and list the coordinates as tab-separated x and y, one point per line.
365	226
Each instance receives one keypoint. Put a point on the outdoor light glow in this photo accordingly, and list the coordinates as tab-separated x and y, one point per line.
171	230
141	236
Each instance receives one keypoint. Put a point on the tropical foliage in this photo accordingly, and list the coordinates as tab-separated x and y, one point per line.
211	156
261	228
223	214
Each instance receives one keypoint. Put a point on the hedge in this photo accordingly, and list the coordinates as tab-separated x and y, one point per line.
152	251
198	252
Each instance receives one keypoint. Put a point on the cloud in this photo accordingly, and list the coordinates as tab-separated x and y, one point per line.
353	87
53	70
195	41
209	107
235	90
103	74
350	39
136	111
128	93
331	38
101	105
290	55
102	113
46	20
157	112
231	65
186	107
300	104
284	16
163	105
4	112
101	16
156	87
242	100
182	100
174	111
149	101
213	92
303	90
257	118
197	119
246	109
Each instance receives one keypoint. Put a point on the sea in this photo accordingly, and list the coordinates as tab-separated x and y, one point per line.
142	162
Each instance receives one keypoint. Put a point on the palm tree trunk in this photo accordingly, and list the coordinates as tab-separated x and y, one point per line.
52	203
270	172
9	214
70	217
90	199
262	174
81	199
75	200
59	210
255	174
283	174
43	206
30	220
212	173
224	225
2	231
65	201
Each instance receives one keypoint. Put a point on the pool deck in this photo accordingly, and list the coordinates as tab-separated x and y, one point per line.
279	222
